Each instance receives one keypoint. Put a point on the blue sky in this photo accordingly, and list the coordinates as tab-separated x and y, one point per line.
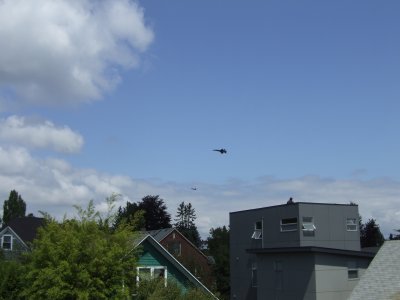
131	97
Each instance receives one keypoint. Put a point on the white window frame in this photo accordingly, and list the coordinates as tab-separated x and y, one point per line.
11	242
351	224
289	225
308	225
152	268
258	228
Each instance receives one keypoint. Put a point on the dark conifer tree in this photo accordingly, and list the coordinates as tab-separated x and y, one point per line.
14	207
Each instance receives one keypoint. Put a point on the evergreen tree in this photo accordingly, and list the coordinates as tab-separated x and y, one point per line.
14	207
218	248
370	234
184	222
155	215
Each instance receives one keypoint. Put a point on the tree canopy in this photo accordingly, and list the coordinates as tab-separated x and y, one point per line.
184	222
218	248
80	258
13	207
370	234
155	214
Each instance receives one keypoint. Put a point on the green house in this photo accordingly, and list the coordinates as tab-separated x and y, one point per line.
156	262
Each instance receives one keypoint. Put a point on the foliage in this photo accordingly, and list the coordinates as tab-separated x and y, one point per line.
156	290
395	237
185	217
218	248
14	207
154	212
370	234
81	258
10	279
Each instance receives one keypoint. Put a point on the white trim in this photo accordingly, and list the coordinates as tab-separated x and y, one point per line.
11	242
152	268
350	225
15	236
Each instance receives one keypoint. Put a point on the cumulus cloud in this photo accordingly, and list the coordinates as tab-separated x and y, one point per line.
63	51
32	134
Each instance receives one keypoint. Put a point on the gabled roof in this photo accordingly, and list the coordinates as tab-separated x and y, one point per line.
25	227
382	278
160	234
173	261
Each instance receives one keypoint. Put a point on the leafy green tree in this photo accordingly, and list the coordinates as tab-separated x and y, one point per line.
81	258
184	222
370	234
155	215
14	207
156	290
10	279
218	248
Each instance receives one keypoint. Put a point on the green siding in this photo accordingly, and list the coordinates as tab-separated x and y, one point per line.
151	257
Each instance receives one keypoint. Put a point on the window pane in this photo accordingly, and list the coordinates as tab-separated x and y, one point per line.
144	273
159	273
7	242
352	274
258	225
289	221
307	220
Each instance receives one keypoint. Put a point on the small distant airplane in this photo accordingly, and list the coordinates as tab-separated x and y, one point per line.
194	188
222	150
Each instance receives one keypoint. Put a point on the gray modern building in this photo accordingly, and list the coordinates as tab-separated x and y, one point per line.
296	251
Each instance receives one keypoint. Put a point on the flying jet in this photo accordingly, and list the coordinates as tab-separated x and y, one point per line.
194	188
222	150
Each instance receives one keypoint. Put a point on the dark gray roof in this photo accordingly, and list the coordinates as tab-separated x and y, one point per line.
311	249
160	234
382	278
294	203
26	227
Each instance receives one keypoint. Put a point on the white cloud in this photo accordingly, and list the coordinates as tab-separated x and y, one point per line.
61	51
20	131
54	186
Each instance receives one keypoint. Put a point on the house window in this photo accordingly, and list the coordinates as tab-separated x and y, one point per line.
149	273
308	226
175	248
352	270
254	281
351	224
6	242
257	234
289	224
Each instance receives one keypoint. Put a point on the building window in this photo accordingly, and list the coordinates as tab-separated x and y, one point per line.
6	242
175	248
254	281
352	270
351	224
149	273
289	224
278	269
308	226
257	234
